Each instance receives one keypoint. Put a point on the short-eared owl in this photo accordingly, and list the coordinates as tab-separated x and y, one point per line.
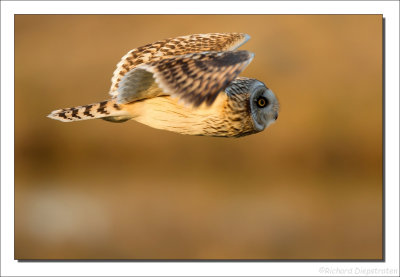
187	85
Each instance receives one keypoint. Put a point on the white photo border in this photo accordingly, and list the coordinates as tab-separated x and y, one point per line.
11	267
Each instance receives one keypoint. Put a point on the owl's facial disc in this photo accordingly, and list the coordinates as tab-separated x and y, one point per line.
264	106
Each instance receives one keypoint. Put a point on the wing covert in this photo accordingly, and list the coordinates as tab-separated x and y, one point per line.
193	78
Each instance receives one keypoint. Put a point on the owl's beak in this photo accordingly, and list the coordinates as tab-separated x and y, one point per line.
276	116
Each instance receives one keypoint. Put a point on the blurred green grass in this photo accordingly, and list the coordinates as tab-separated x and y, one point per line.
309	187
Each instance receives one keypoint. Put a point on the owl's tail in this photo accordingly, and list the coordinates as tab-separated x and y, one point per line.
108	110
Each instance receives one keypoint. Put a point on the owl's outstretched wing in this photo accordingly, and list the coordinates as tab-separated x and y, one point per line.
171	47
193	78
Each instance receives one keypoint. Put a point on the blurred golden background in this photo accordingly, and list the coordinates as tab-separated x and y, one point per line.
309	187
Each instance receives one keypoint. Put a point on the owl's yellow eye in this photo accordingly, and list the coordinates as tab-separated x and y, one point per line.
262	102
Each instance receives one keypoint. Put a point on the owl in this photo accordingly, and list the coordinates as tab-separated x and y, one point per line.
188	85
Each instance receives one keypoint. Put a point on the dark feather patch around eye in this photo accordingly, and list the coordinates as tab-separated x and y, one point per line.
262	102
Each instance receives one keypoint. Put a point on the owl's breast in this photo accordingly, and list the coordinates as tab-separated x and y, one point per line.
219	119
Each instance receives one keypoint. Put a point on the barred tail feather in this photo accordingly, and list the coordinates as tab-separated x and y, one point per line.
107	110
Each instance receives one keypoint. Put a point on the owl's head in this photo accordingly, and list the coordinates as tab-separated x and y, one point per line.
264	106
253	98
